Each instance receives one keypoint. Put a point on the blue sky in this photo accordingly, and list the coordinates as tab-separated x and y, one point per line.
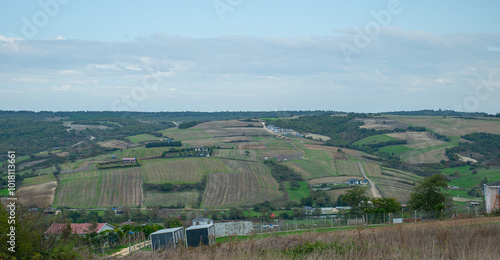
363	56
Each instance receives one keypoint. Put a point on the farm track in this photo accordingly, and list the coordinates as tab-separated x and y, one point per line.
373	188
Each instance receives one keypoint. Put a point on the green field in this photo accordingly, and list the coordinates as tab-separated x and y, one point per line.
142	138
4	193
141	152
39	179
375	139
310	169
297	194
395	149
469	180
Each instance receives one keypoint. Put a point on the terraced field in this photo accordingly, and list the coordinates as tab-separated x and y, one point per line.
103	188
236	154
182	170
39	179
402	195
372	169
248	183
141	152
451	126
185	134
347	167
142	138
188	198
39	195
310	169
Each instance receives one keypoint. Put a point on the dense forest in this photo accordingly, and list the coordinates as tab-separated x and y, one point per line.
154	116
27	136
430	112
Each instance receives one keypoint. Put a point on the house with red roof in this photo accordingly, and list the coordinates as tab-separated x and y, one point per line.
78	228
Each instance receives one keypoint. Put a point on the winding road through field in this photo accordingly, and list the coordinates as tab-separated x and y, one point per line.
374	189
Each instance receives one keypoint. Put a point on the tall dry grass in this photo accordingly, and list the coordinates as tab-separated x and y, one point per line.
455	239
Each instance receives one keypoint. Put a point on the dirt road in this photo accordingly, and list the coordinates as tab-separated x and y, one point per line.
133	248
374	189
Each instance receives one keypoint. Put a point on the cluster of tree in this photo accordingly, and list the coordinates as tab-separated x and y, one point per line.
488	145
28	137
265	206
417	128
430	112
33	243
318	199
117	164
441	137
281	172
185	125
386	143
428	195
163	144
343	130
168	187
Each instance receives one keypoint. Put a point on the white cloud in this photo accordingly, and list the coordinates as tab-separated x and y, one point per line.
236	72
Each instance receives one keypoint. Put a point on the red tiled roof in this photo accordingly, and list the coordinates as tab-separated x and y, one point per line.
77	228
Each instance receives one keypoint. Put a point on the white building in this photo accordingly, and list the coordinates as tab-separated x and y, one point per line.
202	221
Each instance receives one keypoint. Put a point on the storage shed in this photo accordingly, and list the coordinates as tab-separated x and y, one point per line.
200	234
166	238
492	196
241	228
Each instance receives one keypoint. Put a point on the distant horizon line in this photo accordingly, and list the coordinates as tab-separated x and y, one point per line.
240	111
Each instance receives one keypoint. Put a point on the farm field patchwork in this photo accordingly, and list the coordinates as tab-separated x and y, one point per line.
180	170
142	138
100	188
39	179
310	169
140	152
451	126
331	179
402	195
185	134
248	183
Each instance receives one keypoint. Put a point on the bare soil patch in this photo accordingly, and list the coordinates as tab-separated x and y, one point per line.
83	127
114	144
381	123
40	195
251	147
413	137
63	154
318	137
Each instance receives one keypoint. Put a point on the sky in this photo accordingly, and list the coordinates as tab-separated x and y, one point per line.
249	55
